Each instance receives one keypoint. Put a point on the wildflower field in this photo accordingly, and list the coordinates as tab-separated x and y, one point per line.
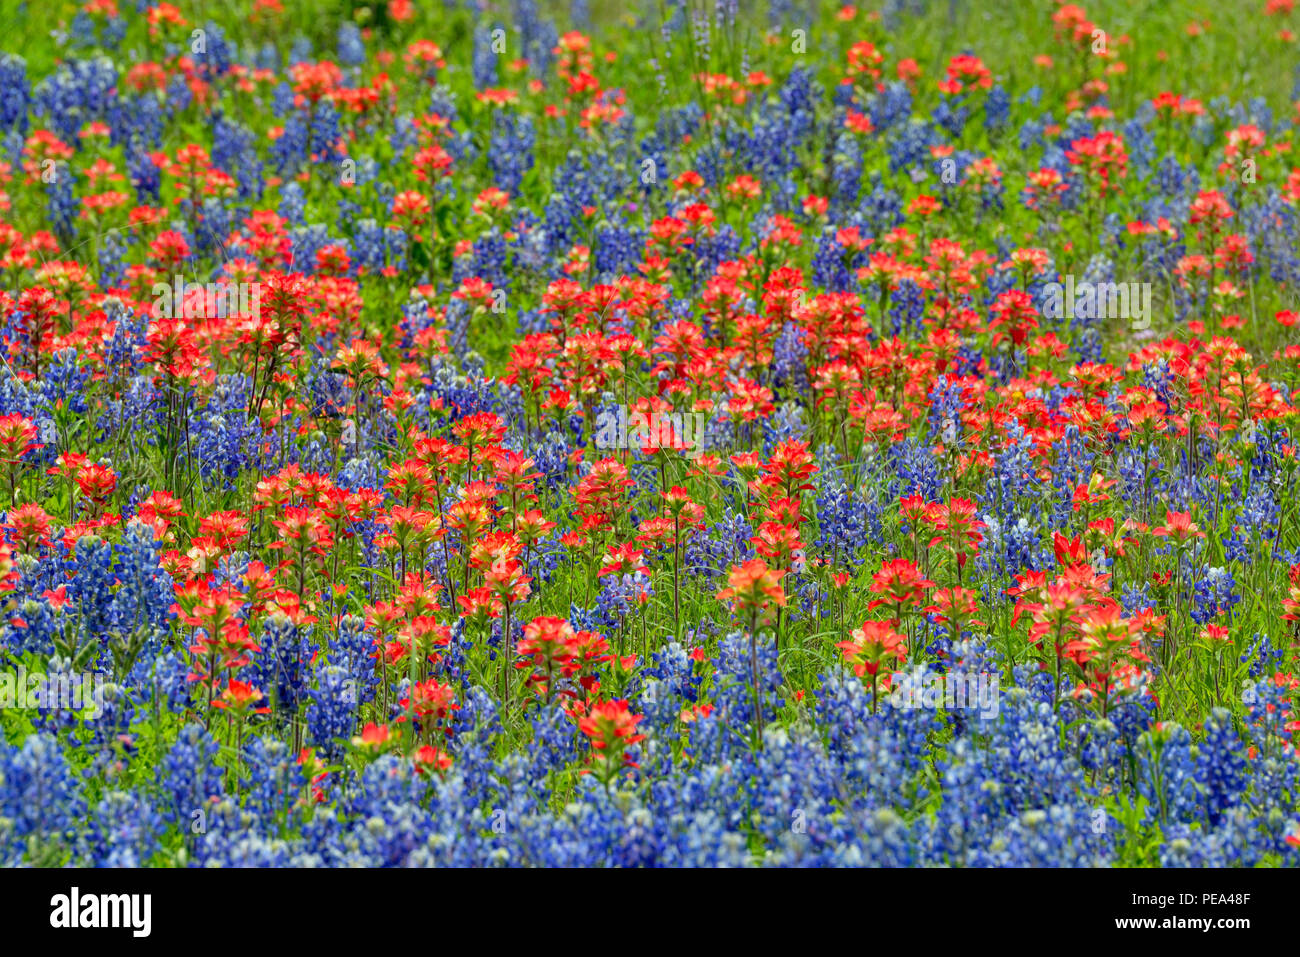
673	433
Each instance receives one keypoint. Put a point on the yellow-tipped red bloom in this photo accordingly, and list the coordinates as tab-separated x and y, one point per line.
754	590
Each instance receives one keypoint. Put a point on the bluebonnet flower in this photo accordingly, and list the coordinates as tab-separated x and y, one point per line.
62	204
1214	596
330	713
125	831
997	109
1168	773
291	148
351	48
191	779
484	61
15	94
1220	766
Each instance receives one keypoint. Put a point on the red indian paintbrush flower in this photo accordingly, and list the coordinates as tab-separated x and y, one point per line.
754	590
900	584
611	728
1179	527
874	650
